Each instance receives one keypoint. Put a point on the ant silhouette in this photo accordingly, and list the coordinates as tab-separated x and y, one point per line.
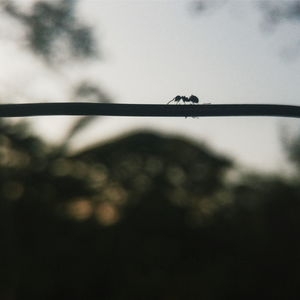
184	99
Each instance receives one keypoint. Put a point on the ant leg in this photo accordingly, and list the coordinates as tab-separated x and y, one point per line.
170	101
184	99
175	99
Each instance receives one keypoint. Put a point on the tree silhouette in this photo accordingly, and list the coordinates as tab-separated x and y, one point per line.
136	188
53	26
55	33
141	216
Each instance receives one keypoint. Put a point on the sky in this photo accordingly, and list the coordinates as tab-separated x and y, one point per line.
155	50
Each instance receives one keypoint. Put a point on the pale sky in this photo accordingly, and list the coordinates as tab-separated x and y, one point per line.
155	50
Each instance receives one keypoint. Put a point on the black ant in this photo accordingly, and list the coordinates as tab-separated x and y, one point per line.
184	99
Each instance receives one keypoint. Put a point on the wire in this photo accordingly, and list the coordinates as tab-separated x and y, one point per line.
147	110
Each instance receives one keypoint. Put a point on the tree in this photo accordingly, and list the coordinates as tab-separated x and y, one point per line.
56	36
92	209
51	26
144	214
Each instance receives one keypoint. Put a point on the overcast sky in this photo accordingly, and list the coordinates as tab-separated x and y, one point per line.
155	50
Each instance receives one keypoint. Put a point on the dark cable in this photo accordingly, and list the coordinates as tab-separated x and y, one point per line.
147	110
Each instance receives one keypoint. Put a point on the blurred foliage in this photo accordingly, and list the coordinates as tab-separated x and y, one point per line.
54	31
144	216
280	11
291	143
274	14
86	91
275	11
204	5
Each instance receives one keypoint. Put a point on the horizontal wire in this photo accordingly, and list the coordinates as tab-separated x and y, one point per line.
147	110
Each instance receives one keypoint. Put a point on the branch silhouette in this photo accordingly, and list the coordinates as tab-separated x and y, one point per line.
147	110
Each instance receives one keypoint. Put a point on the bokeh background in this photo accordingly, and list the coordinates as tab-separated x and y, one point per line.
149	208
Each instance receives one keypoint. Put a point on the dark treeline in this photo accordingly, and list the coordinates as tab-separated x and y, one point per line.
144	216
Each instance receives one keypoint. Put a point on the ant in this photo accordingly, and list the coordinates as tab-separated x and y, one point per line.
184	99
